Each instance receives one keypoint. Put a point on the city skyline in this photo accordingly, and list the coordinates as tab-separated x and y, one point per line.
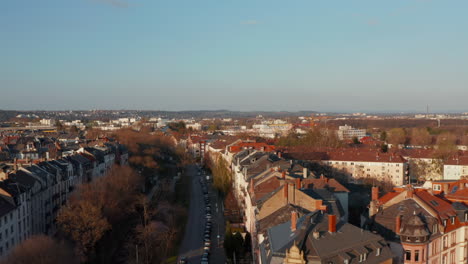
358	56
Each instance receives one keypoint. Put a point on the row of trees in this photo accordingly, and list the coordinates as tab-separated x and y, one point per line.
96	210
316	137
235	245
222	176
99	207
424	136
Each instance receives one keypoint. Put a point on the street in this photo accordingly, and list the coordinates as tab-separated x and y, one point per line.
192	245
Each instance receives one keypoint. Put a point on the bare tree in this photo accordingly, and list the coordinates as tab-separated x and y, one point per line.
84	223
420	137
42	250
396	136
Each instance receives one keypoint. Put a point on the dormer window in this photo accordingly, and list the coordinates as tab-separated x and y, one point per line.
466	217
436	187
346	261
445	222
452	220
379	250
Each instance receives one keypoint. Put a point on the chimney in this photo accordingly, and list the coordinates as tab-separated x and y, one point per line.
285	192
332	224
398	224
283	175
322	177
446	188
252	189
375	193
410	191
298	183
293	221
305	173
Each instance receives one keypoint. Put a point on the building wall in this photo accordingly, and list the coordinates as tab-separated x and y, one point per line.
382	171
450	247
344	201
8	232
454	172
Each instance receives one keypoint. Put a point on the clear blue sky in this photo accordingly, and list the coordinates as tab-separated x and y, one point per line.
325	55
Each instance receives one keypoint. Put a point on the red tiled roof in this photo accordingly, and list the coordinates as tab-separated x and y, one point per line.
369	141
458	191
387	197
418	153
442	207
251	145
323	183
457	160
343	154
266	187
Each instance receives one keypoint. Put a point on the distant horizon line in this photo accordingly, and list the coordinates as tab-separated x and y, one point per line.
248	111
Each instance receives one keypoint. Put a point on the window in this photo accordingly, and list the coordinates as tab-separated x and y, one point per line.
407	255
452	256
436	187
378	251
453	238
445	241
416	255
346	261
434	228
452	220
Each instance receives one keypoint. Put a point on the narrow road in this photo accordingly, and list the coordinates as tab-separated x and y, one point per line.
192	245
218	255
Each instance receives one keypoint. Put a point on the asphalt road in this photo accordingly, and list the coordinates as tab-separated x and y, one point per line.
192	245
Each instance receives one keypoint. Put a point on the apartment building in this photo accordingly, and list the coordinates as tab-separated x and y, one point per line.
456	167
32	194
358	165
348	132
423	226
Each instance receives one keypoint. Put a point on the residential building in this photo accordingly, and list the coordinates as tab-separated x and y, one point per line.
456	167
423	226
318	238
348	133
357	165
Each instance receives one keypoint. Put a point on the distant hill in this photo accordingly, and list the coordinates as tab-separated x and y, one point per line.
110	114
